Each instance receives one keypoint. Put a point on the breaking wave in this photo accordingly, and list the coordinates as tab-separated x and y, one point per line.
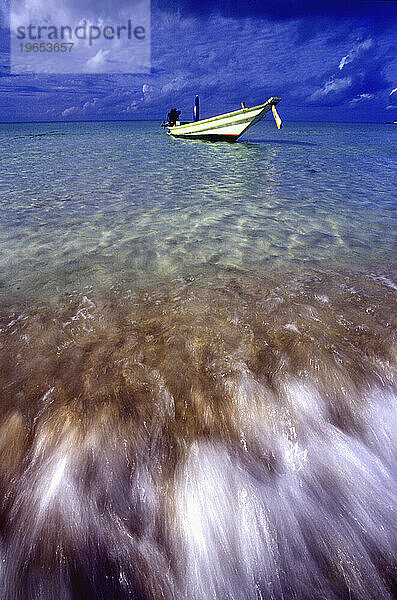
230	441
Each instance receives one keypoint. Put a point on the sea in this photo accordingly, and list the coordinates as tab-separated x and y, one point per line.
198	363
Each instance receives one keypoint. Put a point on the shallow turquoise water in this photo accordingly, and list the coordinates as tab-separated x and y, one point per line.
99	204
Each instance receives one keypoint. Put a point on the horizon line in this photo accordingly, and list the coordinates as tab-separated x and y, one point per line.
159	118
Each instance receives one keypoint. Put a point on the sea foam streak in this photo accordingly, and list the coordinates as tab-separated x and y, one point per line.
234	440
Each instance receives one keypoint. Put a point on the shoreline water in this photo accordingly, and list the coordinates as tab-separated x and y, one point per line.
198	366
147	438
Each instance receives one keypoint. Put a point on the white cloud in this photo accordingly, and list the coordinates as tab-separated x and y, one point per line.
131	107
392	100
332	85
96	63
146	88
88	21
354	52
362	97
90	105
70	111
180	82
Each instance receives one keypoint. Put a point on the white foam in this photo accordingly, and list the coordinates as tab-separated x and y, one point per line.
55	481
244	531
383	279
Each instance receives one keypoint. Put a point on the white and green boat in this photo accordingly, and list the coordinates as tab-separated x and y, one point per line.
227	127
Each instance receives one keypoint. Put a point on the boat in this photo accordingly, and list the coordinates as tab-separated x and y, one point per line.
226	127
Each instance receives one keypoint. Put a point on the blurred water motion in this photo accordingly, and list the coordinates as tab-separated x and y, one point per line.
197	364
232	439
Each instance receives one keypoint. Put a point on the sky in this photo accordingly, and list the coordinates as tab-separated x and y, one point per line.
327	60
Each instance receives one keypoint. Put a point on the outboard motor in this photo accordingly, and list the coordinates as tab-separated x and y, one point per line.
196	109
173	116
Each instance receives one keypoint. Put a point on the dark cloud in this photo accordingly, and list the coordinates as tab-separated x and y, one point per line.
378	11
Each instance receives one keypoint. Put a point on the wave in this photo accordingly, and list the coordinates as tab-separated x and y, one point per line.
234	440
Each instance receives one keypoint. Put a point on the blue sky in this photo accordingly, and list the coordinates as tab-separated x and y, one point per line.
327	60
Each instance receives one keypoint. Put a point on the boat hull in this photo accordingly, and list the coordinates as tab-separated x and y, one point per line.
209	137
227	127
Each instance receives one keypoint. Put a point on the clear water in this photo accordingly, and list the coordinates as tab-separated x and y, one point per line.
103	203
198	363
